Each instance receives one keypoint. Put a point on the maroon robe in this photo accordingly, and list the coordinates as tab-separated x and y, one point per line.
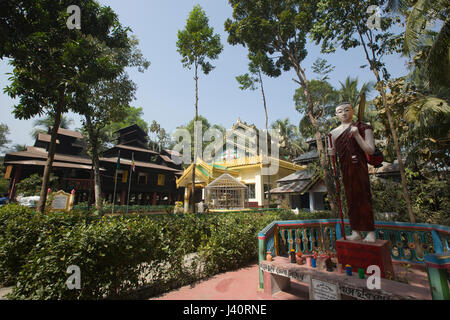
355	176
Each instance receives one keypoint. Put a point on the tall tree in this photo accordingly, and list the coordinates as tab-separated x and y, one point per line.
279	30
196	44
133	115
52	63
420	39
292	143
4	131
349	91
257	63
104	102
155	128
347	24
205	126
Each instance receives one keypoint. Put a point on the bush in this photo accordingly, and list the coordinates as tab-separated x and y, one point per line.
430	198
110	253
31	186
120	255
21	229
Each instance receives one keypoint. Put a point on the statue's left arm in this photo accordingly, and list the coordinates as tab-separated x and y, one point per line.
367	144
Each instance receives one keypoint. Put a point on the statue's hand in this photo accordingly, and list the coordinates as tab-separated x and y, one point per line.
354	131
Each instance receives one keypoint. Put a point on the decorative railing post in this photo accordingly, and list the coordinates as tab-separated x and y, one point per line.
338	231
261	251
437	243
437	265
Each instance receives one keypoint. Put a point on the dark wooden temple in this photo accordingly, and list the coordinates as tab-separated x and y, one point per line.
152	180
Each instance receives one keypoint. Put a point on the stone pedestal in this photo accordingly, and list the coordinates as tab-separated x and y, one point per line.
361	254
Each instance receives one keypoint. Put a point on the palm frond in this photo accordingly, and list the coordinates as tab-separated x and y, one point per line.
438	60
414	25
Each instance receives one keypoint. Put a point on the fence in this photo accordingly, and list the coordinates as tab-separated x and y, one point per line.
409	242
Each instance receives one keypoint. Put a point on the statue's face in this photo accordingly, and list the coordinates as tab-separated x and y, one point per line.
344	113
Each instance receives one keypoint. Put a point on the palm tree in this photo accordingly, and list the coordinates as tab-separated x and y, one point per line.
421	41
349	91
291	140
19	147
47	122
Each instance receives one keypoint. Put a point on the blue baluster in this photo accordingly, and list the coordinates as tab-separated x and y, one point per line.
437	243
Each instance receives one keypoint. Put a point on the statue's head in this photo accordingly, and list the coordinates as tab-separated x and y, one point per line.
344	112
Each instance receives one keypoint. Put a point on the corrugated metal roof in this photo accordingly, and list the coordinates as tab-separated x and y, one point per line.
299	175
293	187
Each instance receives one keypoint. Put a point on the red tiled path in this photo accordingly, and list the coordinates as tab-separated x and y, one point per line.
242	284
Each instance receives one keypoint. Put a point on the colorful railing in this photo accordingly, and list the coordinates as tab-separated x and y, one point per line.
409	242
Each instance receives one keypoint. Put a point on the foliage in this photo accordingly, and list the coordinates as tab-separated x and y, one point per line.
324	98
197	42
32	185
133	115
53	65
205	126
429	195
422	122
4	130
48	121
119	255
292	143
161	139
433	46
21	229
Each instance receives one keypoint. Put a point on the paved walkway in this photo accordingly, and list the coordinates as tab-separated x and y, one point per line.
242	284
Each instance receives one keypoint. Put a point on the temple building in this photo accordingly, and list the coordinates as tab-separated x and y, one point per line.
152	180
242	159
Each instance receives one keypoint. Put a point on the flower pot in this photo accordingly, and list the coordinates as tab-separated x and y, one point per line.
269	256
299	260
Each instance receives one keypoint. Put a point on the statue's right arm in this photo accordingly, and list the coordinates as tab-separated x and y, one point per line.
332	150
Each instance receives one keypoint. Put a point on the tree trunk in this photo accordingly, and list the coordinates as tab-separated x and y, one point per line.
332	196
382	91
195	137
51	152
267	132
93	137
397	148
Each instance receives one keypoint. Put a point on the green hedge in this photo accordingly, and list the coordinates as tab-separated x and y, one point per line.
107	208
123	256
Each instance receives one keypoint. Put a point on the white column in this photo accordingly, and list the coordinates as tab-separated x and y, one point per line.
311	201
259	189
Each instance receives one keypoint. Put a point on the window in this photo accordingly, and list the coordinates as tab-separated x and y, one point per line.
251	191
142	178
161	179
122	175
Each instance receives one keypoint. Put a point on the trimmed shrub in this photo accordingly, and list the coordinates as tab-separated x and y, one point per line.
110	254
21	229
121	255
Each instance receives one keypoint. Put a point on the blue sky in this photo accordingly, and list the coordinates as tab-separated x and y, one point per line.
166	89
